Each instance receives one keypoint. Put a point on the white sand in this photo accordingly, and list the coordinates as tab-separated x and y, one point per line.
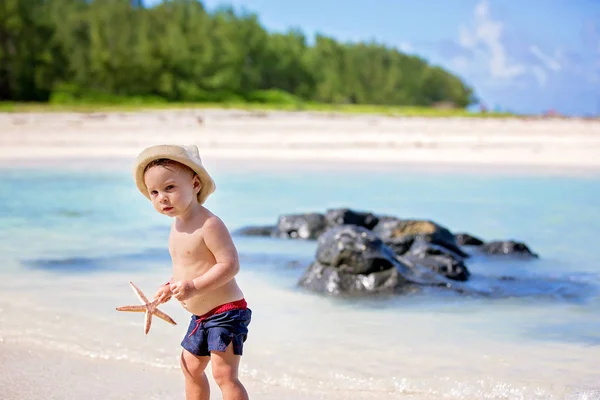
228	134
32	373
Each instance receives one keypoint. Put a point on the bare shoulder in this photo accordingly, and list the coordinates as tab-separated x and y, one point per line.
213	225
217	236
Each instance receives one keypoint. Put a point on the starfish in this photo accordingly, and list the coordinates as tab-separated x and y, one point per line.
148	307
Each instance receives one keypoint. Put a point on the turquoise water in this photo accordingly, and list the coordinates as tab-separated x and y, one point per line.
61	227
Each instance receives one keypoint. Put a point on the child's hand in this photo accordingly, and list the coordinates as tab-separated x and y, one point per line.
183	290
163	294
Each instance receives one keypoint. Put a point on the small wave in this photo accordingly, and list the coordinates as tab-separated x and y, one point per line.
131	261
542	287
340	385
72	213
65	264
128	261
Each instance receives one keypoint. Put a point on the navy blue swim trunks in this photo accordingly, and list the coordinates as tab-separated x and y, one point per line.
217	331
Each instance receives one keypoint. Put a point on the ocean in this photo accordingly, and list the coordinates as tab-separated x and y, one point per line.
72	238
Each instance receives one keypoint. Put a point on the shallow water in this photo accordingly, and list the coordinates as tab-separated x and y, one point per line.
72	239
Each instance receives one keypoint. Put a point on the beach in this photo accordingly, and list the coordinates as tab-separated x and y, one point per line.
25	374
58	234
552	144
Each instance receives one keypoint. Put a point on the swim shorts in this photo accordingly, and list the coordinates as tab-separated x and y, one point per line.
215	331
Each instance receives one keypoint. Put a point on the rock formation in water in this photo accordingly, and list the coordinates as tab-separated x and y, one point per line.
508	247
310	226
464	239
351	259
361	252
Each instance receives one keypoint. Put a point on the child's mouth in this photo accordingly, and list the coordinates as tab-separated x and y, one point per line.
167	209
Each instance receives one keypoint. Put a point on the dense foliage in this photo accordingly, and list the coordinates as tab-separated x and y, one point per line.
64	50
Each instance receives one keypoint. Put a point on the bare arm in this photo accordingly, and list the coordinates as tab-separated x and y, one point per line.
220	244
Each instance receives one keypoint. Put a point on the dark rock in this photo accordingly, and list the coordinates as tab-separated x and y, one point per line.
438	259
508	247
464	239
401	244
311	225
391	229
327	279
355	250
353	260
301	226
268	230
345	216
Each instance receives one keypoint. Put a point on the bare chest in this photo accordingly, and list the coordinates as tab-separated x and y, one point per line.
188	248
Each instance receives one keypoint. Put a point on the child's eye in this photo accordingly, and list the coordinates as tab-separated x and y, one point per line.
153	193
169	187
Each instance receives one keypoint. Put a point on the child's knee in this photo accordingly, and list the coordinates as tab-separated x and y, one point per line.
224	374
192	366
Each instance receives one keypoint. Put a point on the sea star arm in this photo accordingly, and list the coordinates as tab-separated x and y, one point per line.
139	294
132	308
148	322
164	317
148	308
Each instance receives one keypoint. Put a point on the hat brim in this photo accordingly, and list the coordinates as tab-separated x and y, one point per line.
186	155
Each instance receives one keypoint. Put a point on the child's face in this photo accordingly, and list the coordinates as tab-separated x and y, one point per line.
172	188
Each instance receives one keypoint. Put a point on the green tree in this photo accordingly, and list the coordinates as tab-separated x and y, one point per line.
179	51
27	68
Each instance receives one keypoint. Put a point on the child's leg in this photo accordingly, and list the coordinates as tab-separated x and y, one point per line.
225	371
196	384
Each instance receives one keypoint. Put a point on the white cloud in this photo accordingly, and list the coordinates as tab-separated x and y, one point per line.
482	9
492	59
487	33
466	40
548	61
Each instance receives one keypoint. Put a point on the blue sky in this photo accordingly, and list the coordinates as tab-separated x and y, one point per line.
520	55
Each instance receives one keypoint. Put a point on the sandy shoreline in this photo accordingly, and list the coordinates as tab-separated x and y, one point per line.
229	135
30	372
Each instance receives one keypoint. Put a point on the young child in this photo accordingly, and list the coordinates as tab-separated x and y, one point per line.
205	262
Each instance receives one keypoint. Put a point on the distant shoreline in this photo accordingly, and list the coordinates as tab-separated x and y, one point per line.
307	138
357	109
321	108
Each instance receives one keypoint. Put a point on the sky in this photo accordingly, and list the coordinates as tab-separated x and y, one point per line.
524	56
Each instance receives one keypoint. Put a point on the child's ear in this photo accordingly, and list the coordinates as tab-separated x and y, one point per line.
197	184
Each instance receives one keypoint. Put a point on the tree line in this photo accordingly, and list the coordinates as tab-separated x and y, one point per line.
177	50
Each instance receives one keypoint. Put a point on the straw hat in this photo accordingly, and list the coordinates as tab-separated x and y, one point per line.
186	155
